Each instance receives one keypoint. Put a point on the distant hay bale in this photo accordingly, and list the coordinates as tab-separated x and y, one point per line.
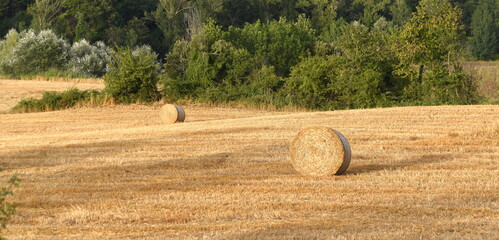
320	151
172	113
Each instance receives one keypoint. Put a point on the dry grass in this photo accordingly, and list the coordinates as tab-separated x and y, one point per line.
488	75
117	172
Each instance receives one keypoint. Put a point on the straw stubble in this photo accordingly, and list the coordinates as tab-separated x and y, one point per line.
320	151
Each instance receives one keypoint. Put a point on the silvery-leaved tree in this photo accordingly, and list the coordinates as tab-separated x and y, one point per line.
87	59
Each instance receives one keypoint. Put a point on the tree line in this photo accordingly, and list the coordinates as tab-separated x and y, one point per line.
324	54
160	23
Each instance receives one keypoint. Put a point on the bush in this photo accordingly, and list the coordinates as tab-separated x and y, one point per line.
58	100
34	53
359	74
280	43
88	60
132	75
223	66
262	86
442	86
7	209
310	83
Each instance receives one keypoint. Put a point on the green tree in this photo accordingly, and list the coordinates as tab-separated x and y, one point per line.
235	13
278	43
484	39
4	8
35	53
137	33
433	34
7	46
99	15
44	13
359	74
323	13
400	12
220	66
82	30
372	10
133	75
13	15
430	43
169	16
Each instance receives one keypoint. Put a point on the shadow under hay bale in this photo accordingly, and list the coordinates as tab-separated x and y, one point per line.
170	113
320	151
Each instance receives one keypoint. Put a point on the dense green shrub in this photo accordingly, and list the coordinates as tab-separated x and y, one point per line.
208	67
310	83
58	100
262	87
359	74
222	66
88	60
133	75
34	53
279	43
442	86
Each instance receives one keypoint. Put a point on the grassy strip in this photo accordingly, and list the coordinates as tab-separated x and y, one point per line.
60	100
487	73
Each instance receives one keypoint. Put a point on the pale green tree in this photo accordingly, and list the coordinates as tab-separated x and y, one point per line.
44	13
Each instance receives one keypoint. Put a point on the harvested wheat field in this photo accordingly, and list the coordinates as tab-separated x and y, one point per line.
118	172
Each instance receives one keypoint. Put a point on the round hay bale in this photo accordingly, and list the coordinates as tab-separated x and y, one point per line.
320	151
172	113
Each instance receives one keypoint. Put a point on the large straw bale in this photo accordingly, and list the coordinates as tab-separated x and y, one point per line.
320	151
172	113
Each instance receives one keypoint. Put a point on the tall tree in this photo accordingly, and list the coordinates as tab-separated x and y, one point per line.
13	15
4	8
323	13
430	45
400	12
372	10
170	18
44	13
484	39
82	29
98	14
432	33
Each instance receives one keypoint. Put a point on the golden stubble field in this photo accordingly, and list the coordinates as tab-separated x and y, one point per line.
116	172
